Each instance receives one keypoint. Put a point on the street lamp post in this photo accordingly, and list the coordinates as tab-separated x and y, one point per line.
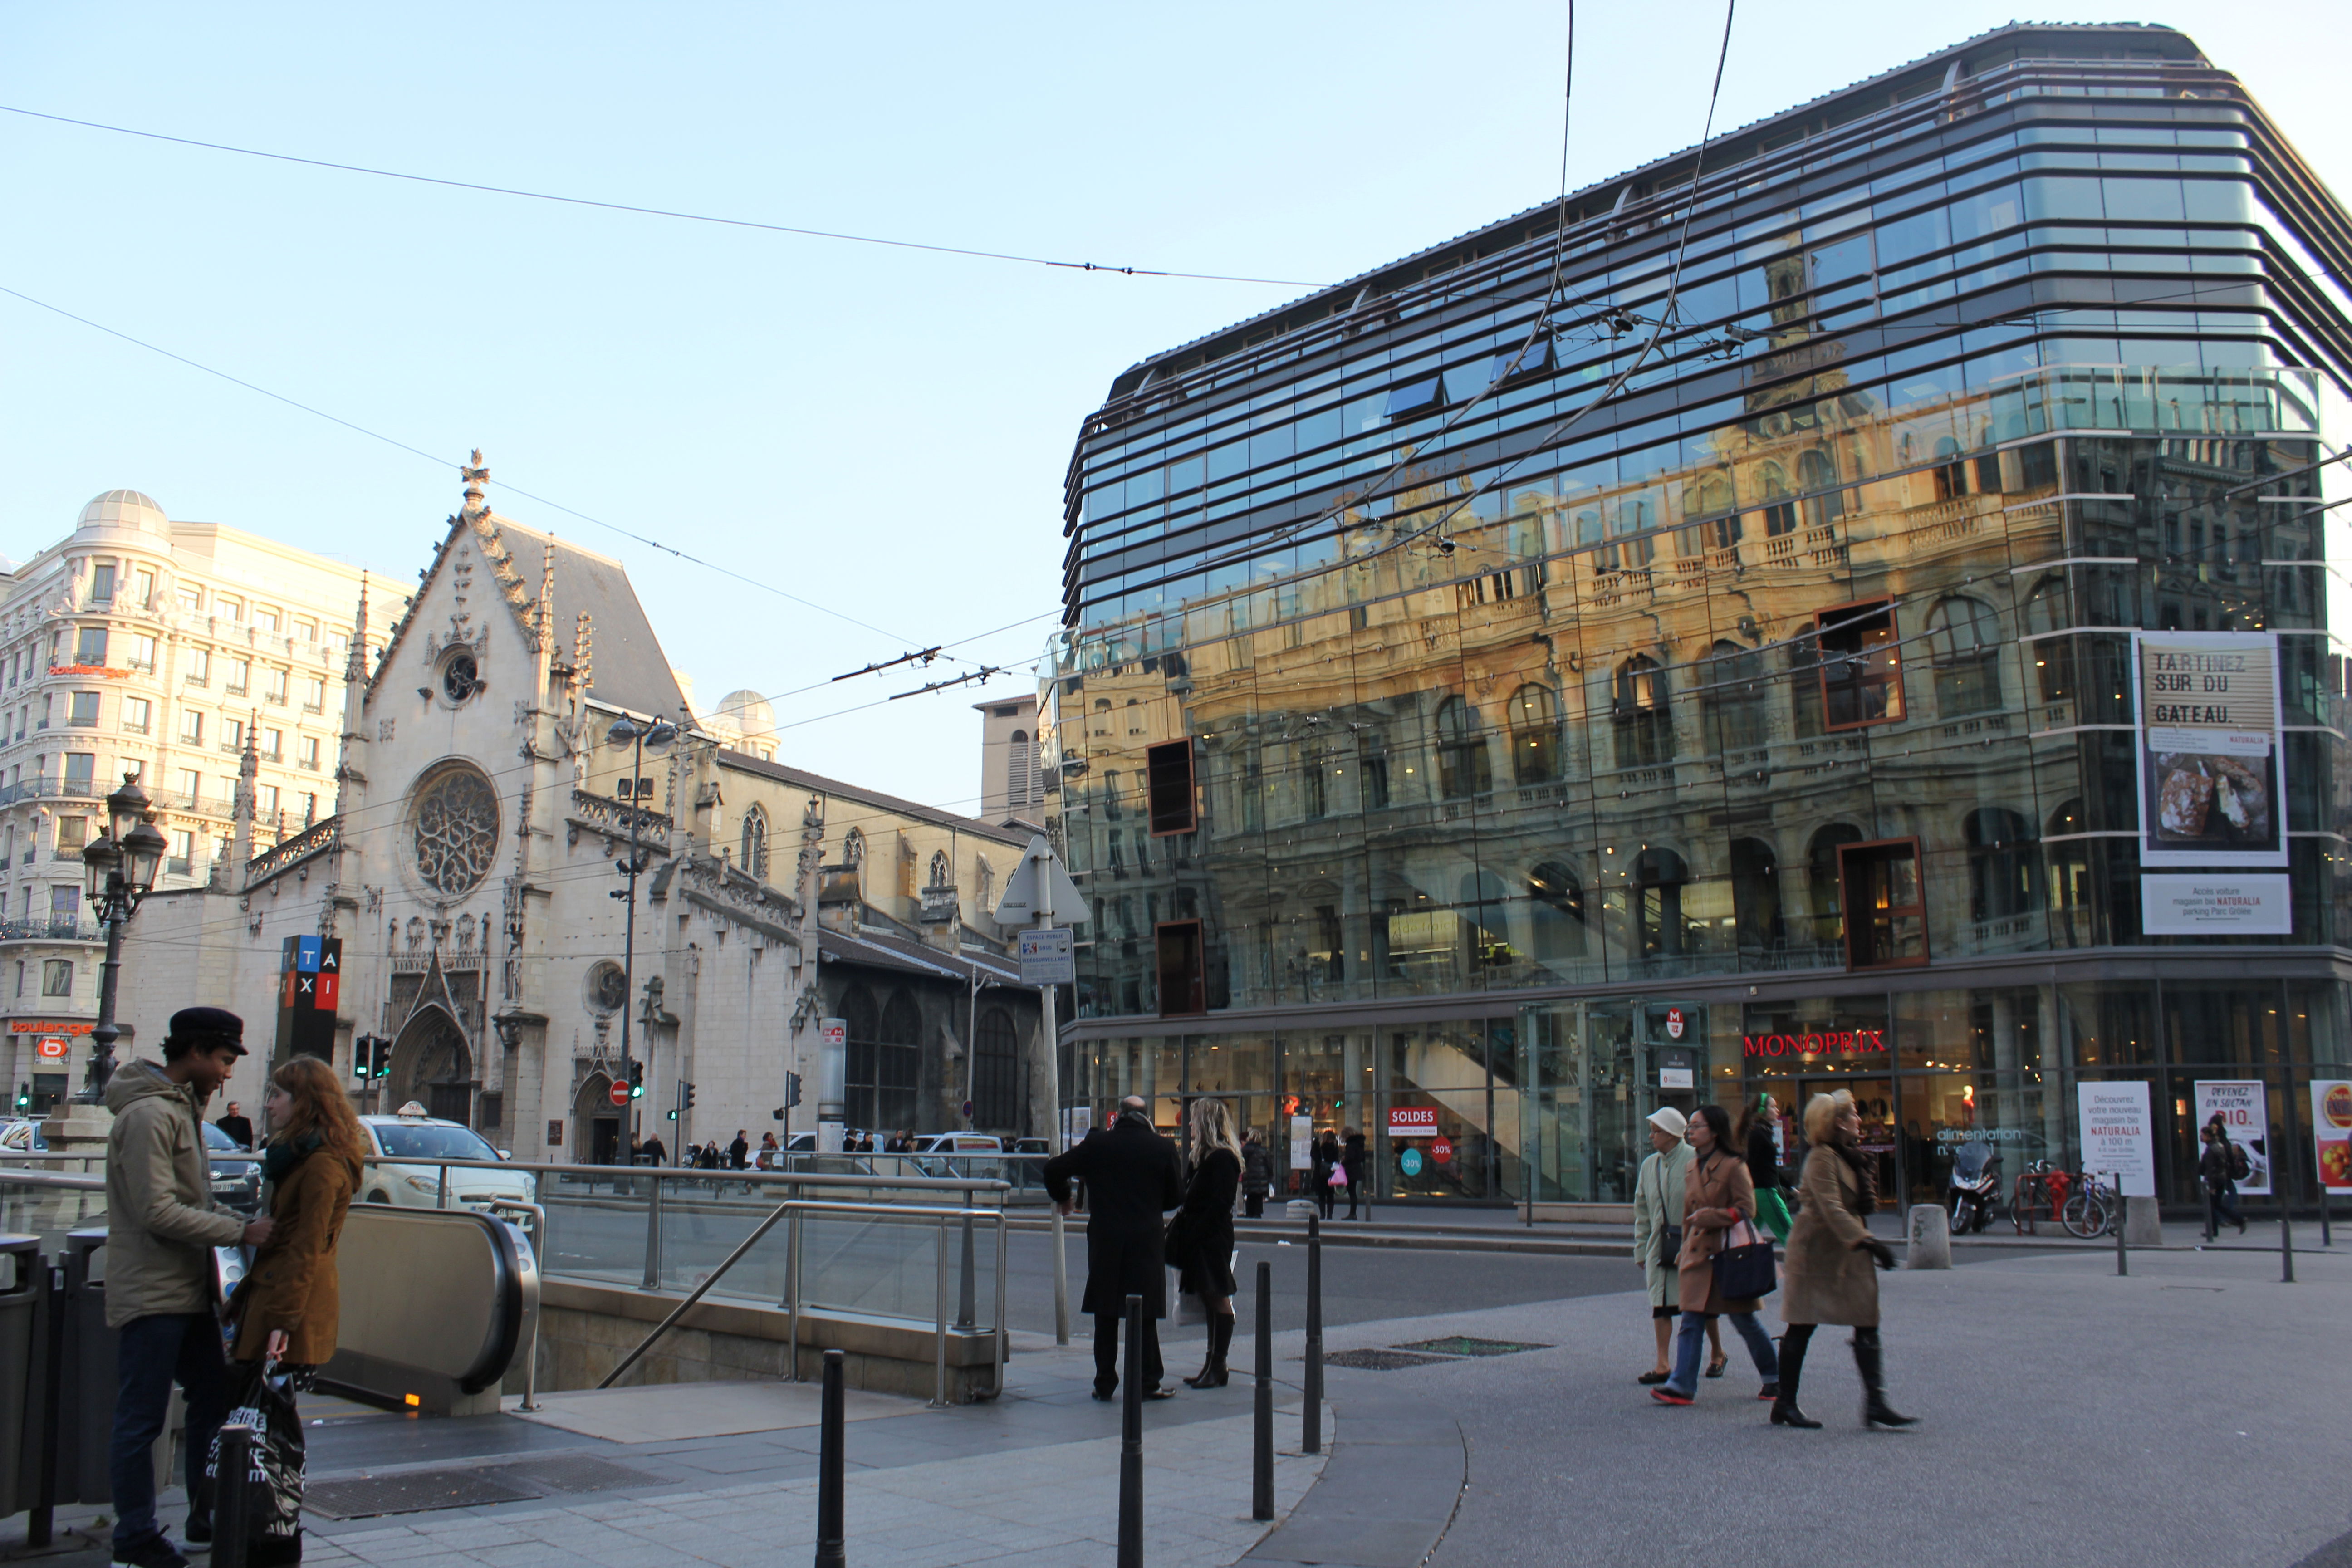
120	864
635	738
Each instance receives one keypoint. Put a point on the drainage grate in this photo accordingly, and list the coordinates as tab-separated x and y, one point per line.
1381	1361
573	1473
411	1492
1463	1344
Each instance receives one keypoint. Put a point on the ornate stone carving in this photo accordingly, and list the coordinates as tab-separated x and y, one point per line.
455	824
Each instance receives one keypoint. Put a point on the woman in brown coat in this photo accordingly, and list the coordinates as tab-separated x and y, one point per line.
1831	1276
286	1307
1717	1194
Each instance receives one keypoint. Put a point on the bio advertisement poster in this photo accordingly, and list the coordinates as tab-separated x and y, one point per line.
2118	1135
2207	706
2331	1129
2244	1113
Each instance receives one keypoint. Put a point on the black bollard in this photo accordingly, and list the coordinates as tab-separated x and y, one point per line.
2213	1218
1131	1444
830	1420
2122	1204
232	1513
1310	1438
2286	1246
1262	1445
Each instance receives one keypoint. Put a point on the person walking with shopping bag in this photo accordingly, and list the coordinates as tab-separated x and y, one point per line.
1763	1152
1833	1261
286	1310
1257	1174
1200	1237
1717	1199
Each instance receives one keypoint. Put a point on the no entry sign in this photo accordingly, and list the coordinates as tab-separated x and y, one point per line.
620	1095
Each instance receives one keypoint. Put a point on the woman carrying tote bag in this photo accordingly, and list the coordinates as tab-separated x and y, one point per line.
1716	1196
286	1309
1831	1254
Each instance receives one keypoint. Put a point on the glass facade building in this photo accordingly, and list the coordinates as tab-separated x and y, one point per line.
1679	642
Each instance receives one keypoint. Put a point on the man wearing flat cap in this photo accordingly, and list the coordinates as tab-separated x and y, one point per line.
1132	1178
162	1226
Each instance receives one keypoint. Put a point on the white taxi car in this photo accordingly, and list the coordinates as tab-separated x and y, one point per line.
411	1135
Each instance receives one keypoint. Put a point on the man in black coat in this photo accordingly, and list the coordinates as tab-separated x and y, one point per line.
1132	1178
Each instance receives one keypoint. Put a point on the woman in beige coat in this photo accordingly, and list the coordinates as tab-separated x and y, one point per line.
1717	1194
1831	1274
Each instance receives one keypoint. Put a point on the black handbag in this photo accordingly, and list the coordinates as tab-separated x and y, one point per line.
1743	1272
1670	1245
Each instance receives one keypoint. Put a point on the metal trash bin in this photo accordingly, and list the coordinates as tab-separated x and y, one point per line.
86	1406
23	1388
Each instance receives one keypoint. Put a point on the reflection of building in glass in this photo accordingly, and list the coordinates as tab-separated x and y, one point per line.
1431	728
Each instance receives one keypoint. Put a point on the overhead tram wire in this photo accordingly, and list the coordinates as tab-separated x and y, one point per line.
437	461
1535	333
671	213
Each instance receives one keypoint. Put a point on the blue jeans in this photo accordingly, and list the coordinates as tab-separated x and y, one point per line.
151	1355
1690	1340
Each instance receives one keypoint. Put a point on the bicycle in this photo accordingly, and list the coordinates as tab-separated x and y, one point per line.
2080	1205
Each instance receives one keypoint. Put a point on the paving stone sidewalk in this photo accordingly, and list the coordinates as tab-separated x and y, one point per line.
725	1474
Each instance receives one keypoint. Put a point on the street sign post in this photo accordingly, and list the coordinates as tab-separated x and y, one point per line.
1040	890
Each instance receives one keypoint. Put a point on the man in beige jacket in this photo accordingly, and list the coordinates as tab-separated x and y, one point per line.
161	1229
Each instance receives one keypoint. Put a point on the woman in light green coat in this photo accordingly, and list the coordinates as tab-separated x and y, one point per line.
1658	1210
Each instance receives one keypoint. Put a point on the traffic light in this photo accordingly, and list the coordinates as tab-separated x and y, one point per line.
637	1081
792	1089
24	1096
689	1096
673	1116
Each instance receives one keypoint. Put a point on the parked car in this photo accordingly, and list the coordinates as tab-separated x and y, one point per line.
22	1136
236	1183
959	1144
411	1135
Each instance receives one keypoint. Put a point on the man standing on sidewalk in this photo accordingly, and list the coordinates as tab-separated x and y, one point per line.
161	1230
1132	1178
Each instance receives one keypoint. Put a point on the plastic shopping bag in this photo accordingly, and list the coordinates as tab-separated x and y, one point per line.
264	1400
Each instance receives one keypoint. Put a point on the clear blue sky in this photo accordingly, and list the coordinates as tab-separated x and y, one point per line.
883	431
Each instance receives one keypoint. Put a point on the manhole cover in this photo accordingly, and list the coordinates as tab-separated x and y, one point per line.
412	1492
1381	1361
1463	1344
574	1473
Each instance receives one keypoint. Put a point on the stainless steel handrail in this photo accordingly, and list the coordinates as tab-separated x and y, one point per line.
681	1174
53	1179
794	1207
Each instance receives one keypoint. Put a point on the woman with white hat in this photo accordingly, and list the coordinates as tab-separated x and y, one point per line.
1658	1233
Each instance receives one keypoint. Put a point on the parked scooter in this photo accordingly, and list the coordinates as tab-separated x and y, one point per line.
1975	1185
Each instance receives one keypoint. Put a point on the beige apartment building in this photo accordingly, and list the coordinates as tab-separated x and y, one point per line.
174	651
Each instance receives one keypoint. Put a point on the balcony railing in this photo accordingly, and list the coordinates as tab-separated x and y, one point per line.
61	929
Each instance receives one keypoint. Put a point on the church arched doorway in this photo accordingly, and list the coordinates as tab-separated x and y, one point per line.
432	1065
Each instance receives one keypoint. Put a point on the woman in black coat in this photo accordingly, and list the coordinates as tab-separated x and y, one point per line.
1354	1158
1200	1236
1326	1155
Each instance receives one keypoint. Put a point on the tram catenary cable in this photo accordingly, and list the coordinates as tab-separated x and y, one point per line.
640	211
512	488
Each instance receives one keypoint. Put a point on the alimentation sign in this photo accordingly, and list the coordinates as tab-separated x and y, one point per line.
2208	720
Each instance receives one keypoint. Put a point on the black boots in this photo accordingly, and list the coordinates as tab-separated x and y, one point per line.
1868	1361
1792	1368
1221	1339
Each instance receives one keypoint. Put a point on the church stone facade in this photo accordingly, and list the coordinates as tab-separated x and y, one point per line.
471	866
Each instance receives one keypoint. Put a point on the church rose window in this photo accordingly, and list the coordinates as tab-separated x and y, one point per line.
456	828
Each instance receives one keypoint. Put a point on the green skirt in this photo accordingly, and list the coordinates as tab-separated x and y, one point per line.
1772	1214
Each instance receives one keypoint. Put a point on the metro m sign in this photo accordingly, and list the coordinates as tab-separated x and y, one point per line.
1412	1121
